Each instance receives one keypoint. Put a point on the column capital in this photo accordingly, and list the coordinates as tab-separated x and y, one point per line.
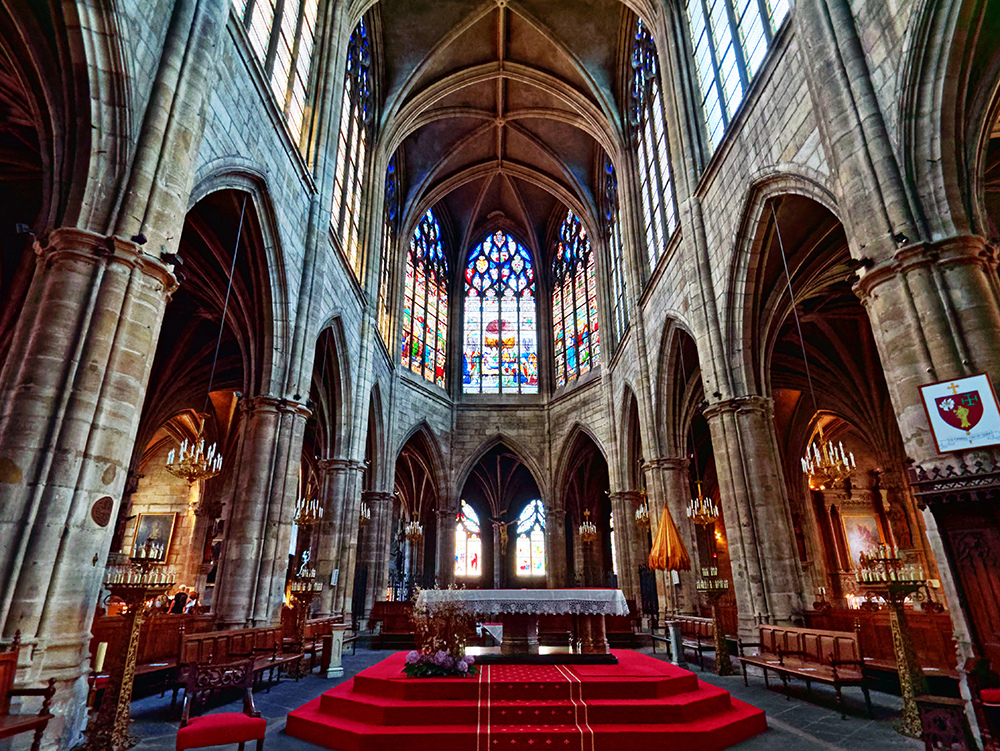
751	403
962	250
339	464
67	243
667	463
373	497
629	496
274	404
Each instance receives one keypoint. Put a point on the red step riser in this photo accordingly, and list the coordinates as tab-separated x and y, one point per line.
355	707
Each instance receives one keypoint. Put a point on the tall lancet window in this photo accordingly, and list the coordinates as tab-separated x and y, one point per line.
283	42
501	337
425	303
390	218
531	540
574	303
468	543
616	248
730	40
646	116
352	148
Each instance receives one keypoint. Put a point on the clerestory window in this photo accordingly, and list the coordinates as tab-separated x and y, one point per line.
576	335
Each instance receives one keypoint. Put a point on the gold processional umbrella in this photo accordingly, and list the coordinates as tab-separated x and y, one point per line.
668	553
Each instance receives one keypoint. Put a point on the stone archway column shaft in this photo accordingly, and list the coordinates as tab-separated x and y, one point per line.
766	573
445	564
378	541
555	535
70	399
348	510
252	576
673	474
332	473
627	543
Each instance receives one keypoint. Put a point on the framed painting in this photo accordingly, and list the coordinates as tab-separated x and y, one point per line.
153	533
862	532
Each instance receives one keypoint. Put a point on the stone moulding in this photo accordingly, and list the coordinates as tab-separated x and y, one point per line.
964	484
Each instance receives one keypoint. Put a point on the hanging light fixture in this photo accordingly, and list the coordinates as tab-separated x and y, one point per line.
826	464
364	513
642	514
195	462
588	530
414	531
701	510
308	512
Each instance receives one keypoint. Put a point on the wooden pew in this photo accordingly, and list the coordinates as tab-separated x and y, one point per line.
811	655
12	724
395	625
698	635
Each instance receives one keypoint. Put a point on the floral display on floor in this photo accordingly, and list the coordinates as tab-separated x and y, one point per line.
441	638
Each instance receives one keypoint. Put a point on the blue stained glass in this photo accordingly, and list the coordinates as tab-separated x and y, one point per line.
500	348
425	303
574	301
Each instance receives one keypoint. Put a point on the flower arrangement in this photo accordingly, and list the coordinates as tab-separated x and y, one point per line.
441	638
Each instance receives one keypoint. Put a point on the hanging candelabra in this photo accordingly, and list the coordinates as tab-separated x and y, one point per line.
826	463
308	512
642	515
701	510
364	513
197	463
588	530
193	462
414	531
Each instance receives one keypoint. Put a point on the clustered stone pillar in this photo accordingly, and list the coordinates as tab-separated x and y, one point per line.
627	543
555	540
445	564
255	559
758	522
332	475
344	551
673	474
69	412
378	539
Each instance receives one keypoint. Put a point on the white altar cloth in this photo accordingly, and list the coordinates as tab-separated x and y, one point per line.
485	602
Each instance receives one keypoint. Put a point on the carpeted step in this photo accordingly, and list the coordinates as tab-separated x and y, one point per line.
640	702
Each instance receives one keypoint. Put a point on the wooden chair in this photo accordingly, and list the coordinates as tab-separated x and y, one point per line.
228	727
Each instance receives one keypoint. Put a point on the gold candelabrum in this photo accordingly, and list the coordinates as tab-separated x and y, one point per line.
588	530
712	586
642	514
414	531
884	574
193	462
308	511
364	513
826	464
137	587
701	510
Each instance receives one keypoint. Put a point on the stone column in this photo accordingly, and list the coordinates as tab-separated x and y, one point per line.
251	584
347	511
555	541
627	543
766	573
445	564
673	474
379	537
70	399
332	473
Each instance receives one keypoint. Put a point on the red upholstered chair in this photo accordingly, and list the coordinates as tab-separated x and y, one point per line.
228	727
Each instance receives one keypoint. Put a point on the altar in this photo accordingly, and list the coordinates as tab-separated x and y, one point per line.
518	610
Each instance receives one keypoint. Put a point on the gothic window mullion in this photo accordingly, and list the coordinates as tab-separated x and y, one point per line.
741	59
714	58
296	42
766	22
275	38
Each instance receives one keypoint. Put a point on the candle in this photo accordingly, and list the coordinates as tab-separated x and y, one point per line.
102	650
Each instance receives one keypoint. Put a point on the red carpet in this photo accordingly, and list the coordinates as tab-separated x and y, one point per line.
641	702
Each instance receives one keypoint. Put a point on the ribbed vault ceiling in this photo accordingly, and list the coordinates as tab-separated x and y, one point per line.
500	109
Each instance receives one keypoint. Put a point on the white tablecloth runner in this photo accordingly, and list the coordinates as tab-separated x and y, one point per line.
482	602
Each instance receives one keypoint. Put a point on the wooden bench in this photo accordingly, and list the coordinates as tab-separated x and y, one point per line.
829	657
395	623
160	638
697	634
12	724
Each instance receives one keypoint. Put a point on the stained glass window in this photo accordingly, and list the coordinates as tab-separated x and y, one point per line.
425	303
576	333
650	131
468	543
730	39
390	217
352	146
531	540
616	248
501	347
282	36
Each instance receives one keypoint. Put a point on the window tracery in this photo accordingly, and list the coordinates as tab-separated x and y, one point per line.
390	218
576	336
425	303
647	118
730	39
356	117
468	543
501	350
531	540
282	35
616	248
